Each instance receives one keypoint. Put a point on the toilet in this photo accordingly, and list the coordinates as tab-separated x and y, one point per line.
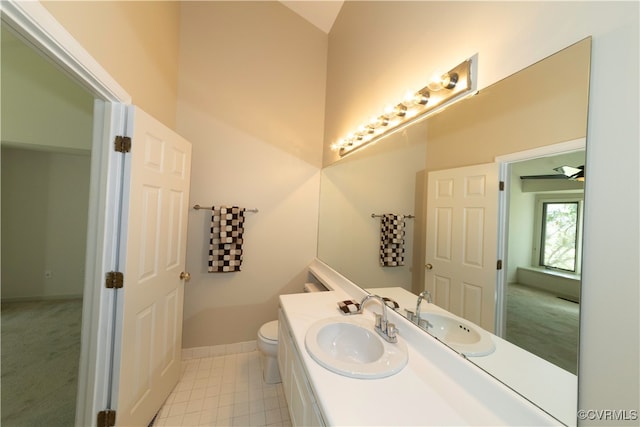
268	347
267	343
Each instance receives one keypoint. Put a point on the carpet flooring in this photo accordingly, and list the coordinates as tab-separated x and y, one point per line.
544	325
39	361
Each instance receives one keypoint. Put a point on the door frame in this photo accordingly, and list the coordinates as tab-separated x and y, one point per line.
39	29
504	171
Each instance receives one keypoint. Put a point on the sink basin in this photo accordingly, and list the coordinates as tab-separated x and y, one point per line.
351	347
464	337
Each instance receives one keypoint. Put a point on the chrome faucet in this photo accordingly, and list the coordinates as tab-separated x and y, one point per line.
420	298
415	317
429	300
386	330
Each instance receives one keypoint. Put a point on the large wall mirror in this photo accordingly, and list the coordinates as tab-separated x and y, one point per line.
539	108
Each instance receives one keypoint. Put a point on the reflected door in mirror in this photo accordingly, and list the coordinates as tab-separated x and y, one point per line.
461	243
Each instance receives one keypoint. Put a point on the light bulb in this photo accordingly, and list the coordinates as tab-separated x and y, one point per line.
435	82
389	110
443	81
382	121
400	110
422	96
449	80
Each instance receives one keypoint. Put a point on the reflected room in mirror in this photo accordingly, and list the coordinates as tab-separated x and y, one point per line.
527	125
544	229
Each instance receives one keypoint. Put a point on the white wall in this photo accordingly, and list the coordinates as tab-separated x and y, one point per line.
609	372
521	218
45	197
251	100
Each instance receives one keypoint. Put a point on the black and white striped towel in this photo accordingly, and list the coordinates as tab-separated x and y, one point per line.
391	240
225	244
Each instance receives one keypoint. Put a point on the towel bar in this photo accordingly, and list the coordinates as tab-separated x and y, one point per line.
197	207
380	216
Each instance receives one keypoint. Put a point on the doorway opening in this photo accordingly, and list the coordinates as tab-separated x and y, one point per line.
46	160
541	241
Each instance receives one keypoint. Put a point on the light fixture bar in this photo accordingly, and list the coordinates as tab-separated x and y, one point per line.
451	86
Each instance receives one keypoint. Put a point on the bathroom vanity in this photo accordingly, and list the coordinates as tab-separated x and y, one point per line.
437	386
303	406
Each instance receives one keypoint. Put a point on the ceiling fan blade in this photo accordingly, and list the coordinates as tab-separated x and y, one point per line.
557	176
569	171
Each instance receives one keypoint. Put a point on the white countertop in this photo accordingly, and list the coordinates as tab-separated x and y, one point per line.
441	389
506	363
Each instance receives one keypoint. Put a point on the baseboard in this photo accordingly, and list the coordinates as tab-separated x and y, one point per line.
218	350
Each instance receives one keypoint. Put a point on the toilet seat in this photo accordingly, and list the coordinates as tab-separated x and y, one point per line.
269	332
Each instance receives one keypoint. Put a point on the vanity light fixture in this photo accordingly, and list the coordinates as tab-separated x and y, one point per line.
445	89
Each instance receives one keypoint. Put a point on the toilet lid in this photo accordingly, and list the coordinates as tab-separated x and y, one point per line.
269	331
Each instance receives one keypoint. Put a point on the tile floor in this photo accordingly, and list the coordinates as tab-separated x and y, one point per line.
226	390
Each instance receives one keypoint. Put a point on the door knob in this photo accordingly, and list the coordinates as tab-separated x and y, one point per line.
185	276
428	266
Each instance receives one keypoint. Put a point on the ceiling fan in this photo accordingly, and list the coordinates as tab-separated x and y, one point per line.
564	172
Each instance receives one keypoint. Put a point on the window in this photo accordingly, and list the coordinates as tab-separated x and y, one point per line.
560	233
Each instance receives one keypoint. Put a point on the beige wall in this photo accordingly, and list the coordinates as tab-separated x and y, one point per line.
46	137
45	199
348	238
251	100
135	41
378	50
259	68
35	91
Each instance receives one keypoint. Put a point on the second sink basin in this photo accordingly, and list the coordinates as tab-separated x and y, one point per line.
351	347
462	336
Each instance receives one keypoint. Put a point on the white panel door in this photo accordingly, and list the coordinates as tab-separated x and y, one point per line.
152	296
462	236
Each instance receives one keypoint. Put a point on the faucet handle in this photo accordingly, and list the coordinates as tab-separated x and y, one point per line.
424	324
378	320
410	315
384	325
392	331
381	324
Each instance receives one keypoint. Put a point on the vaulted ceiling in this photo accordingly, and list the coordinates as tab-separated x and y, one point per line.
322	14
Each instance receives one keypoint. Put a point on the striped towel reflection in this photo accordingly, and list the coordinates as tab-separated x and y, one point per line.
225	244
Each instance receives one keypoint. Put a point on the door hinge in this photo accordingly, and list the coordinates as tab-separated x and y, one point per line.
115	280
501	186
106	418
499	265
123	144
